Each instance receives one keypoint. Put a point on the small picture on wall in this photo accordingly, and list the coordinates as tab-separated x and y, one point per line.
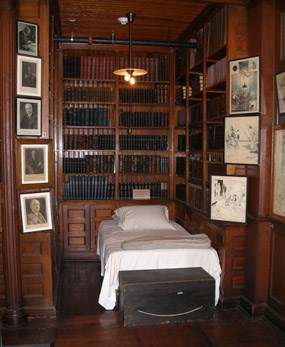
228	198
29	117
280	88
36	212
27	38
29	76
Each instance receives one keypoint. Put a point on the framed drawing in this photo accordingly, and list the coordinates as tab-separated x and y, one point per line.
29	71
279	173
29	117
27	38
34	164
228	199
241	140
36	212
244	86
280	91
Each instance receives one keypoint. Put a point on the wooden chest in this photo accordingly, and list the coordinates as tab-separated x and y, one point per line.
166	296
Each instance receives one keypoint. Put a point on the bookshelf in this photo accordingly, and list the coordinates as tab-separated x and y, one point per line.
113	137
201	92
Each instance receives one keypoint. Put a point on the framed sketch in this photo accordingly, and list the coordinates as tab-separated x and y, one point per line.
34	164
29	117
27	38
244	86
228	199
282	35
280	91
279	173
36	211
241	140
29	82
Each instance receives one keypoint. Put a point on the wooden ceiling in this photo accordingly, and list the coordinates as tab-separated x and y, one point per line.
155	20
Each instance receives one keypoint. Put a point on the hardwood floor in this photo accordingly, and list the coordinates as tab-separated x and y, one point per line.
81	322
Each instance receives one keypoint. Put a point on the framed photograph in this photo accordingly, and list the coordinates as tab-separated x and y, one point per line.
279	173
242	136
29	81
228	200
280	91
29	117
34	164
36	211
244	86
27	38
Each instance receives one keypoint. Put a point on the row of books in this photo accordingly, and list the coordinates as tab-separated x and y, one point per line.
96	141
181	118
196	112
216	73
156	67
95	116
195	165
149	164
216	169
89	164
86	94
215	137
195	196
143	142
181	191
88	188
144	119
180	95
158	190
157	95
196	84
181	142
196	140
216	106
180	165
88	67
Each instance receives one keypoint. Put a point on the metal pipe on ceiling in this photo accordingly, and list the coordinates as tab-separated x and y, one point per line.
65	39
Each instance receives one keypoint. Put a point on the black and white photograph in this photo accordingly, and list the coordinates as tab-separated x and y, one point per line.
241	140
34	163
27	38
36	212
244	86
280	90
29	76
228	198
29	117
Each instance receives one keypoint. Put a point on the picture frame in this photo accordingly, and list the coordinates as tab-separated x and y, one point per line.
282	35
36	211
34	161
29	116
29	82
244	86
278	200
228	198
27	38
242	140
280	91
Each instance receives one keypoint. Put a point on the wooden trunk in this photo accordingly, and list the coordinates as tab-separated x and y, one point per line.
166	296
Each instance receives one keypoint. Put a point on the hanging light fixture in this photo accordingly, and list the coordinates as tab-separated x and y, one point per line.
131	72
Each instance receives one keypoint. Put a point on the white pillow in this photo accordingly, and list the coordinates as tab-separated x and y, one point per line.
143	217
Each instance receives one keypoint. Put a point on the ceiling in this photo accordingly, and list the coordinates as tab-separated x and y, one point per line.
155	20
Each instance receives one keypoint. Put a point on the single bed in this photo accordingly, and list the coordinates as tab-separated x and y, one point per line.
141	238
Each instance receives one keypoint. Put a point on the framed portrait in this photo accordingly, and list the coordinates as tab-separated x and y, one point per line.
279	173
29	117
27	38
34	164
36	211
29	79
244	86
280	92
241	140
228	198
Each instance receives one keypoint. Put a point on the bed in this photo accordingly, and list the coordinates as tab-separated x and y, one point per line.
142	238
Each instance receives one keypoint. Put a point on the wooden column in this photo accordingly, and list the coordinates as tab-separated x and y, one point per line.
14	314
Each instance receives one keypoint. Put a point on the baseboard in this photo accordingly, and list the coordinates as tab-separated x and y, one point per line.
275	318
251	308
32	345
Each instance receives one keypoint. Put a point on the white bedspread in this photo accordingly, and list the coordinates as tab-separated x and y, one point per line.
115	259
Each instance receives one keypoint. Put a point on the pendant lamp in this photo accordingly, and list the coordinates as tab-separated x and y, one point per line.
131	72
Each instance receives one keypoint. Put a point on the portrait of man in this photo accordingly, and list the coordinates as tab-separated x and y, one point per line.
29	75
35	216
27	38
28	117
34	161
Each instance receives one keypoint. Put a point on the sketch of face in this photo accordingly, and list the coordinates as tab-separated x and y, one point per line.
35	205
28	109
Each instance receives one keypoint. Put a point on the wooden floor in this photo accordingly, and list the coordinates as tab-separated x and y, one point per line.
81	322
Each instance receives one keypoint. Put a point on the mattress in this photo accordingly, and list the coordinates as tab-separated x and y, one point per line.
114	258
